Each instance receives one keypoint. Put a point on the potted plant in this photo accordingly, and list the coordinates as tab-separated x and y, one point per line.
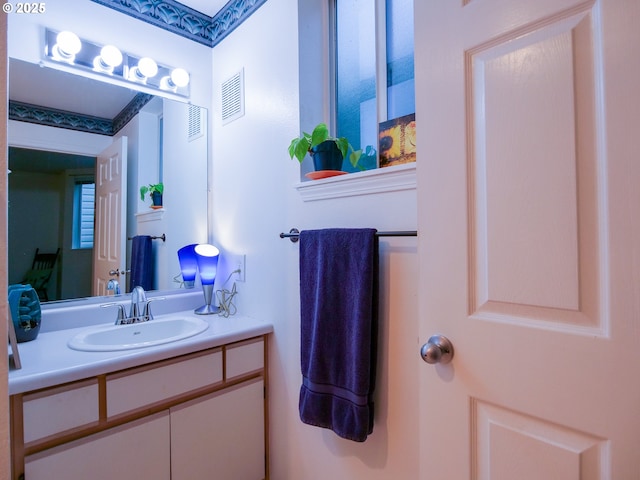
327	152
155	192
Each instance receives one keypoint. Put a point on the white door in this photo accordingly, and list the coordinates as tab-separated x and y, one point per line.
529	221
109	249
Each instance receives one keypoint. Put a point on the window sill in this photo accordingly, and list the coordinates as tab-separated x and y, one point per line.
380	180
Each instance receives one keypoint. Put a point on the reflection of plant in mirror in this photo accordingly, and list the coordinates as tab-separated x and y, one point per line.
151	189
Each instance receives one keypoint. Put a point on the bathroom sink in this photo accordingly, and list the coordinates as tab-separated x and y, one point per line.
136	335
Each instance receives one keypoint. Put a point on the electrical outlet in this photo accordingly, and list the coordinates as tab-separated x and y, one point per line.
238	262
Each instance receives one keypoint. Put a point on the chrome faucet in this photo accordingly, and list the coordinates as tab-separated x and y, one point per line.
139	311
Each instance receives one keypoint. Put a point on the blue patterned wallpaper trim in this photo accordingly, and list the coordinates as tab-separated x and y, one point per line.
25	112
187	22
130	111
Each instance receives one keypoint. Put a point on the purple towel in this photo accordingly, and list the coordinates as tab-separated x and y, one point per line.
338	308
141	263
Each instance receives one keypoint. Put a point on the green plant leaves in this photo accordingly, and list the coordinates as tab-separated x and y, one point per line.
299	147
343	145
319	135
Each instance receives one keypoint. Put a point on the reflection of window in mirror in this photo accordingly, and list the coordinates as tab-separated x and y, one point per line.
84	194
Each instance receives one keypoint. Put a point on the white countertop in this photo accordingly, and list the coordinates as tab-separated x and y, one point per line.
48	361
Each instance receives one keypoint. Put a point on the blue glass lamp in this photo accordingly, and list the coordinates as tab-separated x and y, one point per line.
207	258
188	265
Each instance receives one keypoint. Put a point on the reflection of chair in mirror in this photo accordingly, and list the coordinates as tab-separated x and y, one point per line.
40	273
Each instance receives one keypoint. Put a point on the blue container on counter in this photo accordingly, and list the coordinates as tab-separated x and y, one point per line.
24	306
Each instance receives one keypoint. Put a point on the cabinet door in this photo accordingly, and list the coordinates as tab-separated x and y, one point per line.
137	450
220	436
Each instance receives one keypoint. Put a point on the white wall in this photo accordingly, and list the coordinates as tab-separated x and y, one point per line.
254	199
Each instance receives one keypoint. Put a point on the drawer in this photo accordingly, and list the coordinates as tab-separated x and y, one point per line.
58	409
146	386
244	357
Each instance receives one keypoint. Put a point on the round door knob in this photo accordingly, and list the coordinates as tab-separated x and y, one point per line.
437	350
117	272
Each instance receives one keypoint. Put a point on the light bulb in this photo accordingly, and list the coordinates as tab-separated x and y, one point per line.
111	55
147	67
180	77
67	45
109	58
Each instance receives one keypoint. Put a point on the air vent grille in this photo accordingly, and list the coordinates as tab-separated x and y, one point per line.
233	98
196	122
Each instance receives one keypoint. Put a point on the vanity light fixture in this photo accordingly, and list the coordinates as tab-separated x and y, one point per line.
207	258
188	265
67	48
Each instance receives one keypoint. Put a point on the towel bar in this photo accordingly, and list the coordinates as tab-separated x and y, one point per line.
162	237
294	234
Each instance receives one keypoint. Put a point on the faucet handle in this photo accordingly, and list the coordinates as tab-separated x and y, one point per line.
122	316
147	308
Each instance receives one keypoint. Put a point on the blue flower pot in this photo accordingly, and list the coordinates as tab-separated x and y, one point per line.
327	156
156	198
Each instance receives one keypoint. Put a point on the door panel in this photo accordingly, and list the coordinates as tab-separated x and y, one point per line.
111	207
529	237
534	176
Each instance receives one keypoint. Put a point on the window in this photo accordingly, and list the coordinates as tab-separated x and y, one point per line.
84	194
365	92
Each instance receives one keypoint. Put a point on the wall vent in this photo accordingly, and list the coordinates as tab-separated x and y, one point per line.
233	98
196	122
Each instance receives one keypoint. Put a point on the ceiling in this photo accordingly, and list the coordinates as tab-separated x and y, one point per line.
48	87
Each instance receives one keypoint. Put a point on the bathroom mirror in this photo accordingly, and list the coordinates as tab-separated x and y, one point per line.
49	172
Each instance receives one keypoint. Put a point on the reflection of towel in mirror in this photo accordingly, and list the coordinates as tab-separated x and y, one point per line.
338	315
141	263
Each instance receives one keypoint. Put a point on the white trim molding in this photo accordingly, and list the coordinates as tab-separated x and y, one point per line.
380	180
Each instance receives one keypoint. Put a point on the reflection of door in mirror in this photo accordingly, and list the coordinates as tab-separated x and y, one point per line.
109	252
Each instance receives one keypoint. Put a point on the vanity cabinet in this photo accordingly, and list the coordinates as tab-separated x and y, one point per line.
136	450
197	416
220	436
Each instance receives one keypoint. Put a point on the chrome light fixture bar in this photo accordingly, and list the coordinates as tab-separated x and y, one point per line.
67	48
